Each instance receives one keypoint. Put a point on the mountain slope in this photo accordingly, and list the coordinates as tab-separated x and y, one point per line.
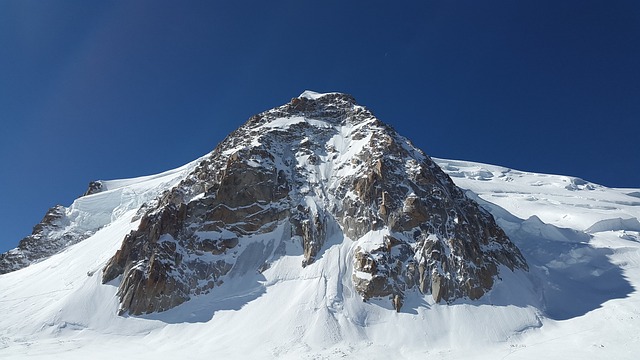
103	202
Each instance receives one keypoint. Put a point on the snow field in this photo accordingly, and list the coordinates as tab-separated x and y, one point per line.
577	301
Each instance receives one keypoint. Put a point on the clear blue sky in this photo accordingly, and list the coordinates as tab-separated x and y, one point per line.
114	89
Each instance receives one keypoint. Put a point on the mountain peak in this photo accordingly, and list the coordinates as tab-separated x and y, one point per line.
319	170
313	95
292	182
330	96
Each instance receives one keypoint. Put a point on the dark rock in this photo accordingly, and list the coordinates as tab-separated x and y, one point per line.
94	188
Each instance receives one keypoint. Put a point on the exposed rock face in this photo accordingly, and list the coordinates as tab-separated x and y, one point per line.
48	238
94	188
62	226
297	173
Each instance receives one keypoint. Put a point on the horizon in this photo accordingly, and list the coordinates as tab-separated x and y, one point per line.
101	91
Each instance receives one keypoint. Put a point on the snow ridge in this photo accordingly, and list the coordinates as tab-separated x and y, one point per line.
62	227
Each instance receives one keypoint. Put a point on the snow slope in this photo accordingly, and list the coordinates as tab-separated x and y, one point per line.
92	212
581	240
105	202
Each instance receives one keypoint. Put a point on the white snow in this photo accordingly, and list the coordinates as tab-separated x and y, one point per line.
312	95
92	212
581	240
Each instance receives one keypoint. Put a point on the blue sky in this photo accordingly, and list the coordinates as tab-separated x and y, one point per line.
116	89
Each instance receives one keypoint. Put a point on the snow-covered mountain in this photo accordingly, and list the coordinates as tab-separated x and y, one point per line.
267	247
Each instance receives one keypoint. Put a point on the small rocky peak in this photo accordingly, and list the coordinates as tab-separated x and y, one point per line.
94	188
39	245
335	106
53	214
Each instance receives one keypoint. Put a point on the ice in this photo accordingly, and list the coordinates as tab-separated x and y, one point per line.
631	224
312	95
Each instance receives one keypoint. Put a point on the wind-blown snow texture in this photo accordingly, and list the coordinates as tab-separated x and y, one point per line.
581	242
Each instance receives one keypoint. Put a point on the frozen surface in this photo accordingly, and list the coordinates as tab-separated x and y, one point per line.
312	95
581	240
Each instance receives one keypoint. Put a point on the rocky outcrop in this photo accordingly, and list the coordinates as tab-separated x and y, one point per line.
48	238
94	188
297	173
439	240
62	226
172	255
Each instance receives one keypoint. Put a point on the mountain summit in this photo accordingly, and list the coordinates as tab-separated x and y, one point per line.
319	169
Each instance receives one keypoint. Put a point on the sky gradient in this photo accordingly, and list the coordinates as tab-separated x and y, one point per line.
117	89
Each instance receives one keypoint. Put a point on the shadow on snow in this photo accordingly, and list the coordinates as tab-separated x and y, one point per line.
243	285
573	276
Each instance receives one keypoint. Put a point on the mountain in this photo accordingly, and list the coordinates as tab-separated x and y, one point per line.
316	231
62	227
318	169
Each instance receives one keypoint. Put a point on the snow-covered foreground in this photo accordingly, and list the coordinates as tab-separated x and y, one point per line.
581	240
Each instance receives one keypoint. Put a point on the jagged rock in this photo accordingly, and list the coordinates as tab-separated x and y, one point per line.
47	238
303	170
94	188
63	227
